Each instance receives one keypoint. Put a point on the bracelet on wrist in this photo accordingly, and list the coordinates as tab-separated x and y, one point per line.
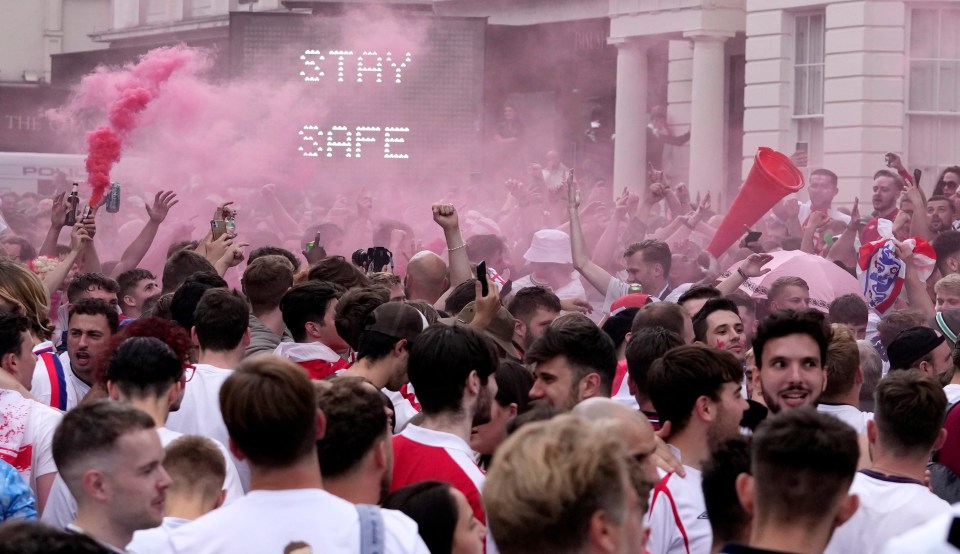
464	245
742	274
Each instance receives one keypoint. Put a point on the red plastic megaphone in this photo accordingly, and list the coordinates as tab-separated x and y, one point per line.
772	177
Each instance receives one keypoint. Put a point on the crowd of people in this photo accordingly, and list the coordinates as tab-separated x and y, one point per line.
550	368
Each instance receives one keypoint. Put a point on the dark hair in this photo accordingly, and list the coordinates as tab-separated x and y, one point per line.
183	264
356	420
618	325
432	506
221	319
802	461
686	373
86	281
92	430
946	244
897	320
383	230
712	305
270	409
645	347
654	251
144	367
909	411
514	382
660	314
128	280
528	300
941	198
96	306
783	323
826	173
699	292
265	281
849	308
462	294
728	520
353	309
941	182
307	302
441	360
586	348
184	303
274	251
159	307
27	251
484	247
12	327
897	179
32	537
336	269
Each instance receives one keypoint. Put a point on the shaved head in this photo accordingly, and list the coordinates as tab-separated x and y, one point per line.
634	428
426	277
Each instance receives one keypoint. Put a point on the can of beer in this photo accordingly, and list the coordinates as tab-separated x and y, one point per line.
113	198
634	288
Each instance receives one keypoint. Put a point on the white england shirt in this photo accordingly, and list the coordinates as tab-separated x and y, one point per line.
930	538
889	506
848	414
678	514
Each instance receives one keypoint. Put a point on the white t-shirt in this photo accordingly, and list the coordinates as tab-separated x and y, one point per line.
34	458
848	414
929	538
889	506
156	540
41	388
832	213
61	506
572	290
405	406
199	412
678	514
270	521
953	393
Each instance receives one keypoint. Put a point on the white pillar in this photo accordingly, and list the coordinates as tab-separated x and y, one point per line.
707	116
630	145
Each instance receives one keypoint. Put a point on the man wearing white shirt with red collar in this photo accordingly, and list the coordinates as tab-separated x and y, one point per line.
907	428
308	311
841	397
697	389
221	328
452	369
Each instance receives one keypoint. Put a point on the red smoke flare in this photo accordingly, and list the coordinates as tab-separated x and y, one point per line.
103	145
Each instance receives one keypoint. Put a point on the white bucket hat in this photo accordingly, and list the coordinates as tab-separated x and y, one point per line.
549	246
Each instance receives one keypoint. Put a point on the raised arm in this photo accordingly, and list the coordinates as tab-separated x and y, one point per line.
79	239
919	226
750	268
446	217
843	249
596	275
58	213
157	213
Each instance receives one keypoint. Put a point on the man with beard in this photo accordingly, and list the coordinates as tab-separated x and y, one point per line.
718	325
887	187
384	352
790	349
696	389
534	309
940	214
572	362
356	452
452	369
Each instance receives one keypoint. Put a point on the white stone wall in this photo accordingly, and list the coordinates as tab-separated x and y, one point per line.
32	30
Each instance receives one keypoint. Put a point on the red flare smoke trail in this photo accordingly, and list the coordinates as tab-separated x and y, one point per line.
136	92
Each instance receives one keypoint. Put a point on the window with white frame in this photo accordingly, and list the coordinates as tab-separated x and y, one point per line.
933	89
809	35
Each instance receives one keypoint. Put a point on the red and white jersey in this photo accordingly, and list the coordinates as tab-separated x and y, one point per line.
405	405
421	454
621	387
678	514
889	506
318	359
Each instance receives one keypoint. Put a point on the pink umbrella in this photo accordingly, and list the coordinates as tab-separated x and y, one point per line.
826	280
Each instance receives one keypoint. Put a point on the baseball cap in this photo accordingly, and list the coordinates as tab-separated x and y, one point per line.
632	300
397	320
910	345
549	246
499	331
